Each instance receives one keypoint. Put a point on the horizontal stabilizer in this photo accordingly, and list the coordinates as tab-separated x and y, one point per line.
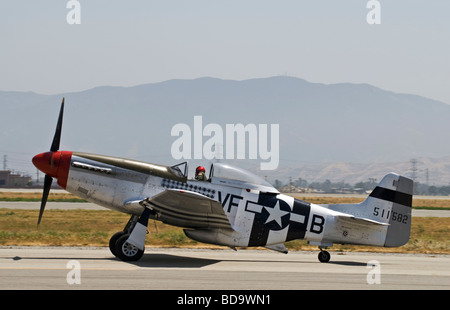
359	220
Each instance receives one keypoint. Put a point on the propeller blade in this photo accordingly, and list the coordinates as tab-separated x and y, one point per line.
57	136
47	184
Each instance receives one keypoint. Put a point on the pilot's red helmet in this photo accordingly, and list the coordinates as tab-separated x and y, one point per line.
200	168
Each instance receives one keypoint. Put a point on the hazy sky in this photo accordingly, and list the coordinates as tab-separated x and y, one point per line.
125	43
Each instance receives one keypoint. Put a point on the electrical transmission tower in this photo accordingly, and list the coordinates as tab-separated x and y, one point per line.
414	169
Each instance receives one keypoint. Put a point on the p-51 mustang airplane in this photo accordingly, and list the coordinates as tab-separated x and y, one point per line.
231	208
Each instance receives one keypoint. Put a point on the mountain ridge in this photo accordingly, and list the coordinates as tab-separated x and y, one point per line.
319	123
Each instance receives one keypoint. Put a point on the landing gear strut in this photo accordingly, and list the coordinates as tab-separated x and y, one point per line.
324	256
121	248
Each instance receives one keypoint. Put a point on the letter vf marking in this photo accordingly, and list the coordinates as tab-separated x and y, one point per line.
231	202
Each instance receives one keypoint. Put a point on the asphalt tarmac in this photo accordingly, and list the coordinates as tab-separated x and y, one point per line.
67	268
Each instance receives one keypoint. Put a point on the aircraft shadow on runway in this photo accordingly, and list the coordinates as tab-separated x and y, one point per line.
176	261
148	260
347	263
172	261
157	260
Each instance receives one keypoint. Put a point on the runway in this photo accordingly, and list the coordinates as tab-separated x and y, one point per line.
91	206
200	269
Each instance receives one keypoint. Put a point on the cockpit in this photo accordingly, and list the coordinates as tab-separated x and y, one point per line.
224	174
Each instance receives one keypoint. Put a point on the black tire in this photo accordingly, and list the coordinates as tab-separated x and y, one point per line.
113	240
324	257
126	251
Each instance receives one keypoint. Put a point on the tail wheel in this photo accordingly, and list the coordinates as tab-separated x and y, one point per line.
126	251
324	256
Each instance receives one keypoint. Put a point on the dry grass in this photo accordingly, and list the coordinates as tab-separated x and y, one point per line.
95	227
77	228
433	203
20	196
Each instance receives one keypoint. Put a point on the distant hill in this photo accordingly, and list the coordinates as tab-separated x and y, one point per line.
318	123
431	171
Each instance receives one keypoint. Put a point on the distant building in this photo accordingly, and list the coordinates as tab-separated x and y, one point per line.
8	179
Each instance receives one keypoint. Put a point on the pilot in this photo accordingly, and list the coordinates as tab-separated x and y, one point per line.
200	174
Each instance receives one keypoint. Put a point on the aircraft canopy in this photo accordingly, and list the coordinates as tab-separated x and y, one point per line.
236	177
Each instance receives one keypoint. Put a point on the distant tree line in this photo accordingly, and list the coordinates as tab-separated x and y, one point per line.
432	190
330	187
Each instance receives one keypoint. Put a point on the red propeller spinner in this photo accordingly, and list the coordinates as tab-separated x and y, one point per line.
55	164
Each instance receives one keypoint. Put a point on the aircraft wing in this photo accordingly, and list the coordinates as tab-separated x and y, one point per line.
187	209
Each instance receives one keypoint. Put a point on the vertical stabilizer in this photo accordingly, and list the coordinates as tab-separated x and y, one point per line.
391	202
389	205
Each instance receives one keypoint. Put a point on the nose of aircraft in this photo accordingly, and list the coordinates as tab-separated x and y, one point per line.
55	164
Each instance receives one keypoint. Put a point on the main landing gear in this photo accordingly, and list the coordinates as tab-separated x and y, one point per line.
128	245
324	256
120	248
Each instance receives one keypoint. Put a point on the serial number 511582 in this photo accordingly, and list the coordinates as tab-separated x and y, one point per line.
394	216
